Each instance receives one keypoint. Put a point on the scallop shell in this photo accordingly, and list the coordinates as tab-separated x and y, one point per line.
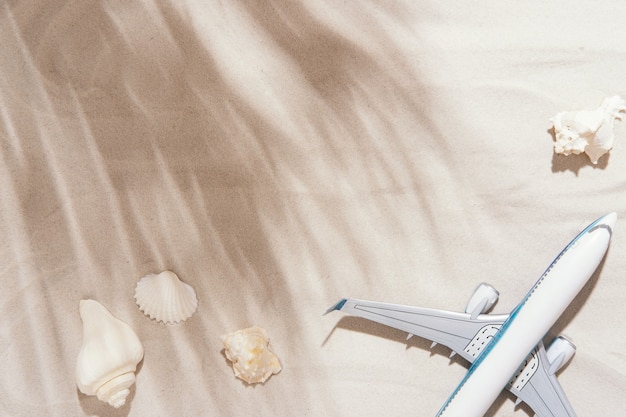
165	298
109	355
251	357
589	131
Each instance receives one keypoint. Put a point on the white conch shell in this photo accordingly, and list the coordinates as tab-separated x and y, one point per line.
108	357
248	350
165	298
589	131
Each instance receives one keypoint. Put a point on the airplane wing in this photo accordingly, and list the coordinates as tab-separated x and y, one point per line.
536	384
461	332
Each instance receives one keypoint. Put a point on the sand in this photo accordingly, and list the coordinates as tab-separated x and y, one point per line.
281	156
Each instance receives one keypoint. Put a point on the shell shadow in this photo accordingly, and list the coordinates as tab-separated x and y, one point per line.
574	163
92	406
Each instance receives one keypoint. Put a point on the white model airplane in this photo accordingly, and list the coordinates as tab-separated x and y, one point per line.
505	350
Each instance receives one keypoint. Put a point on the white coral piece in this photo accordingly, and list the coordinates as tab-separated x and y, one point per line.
249	352
164	297
589	131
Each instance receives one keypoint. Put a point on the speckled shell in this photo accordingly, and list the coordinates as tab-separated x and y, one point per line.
165	298
589	131
249	352
108	357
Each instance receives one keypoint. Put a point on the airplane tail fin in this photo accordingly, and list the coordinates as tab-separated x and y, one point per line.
336	307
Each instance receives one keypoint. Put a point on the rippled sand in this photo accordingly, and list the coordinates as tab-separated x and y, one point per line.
279	156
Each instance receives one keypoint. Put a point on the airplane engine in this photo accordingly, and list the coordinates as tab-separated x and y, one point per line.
560	352
483	299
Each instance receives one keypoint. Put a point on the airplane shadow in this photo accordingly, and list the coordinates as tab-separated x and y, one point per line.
361	325
575	306
357	324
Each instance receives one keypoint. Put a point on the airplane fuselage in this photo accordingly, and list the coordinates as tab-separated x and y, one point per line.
529	322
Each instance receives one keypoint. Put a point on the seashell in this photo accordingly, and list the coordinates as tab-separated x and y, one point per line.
164	297
108	356
589	131
251	357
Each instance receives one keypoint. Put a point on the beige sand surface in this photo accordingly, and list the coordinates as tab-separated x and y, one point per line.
280	155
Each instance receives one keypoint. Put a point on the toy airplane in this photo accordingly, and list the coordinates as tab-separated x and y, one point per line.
505	350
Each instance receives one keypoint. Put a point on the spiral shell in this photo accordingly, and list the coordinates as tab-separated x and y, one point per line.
588	131
251	357
165	298
108	356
